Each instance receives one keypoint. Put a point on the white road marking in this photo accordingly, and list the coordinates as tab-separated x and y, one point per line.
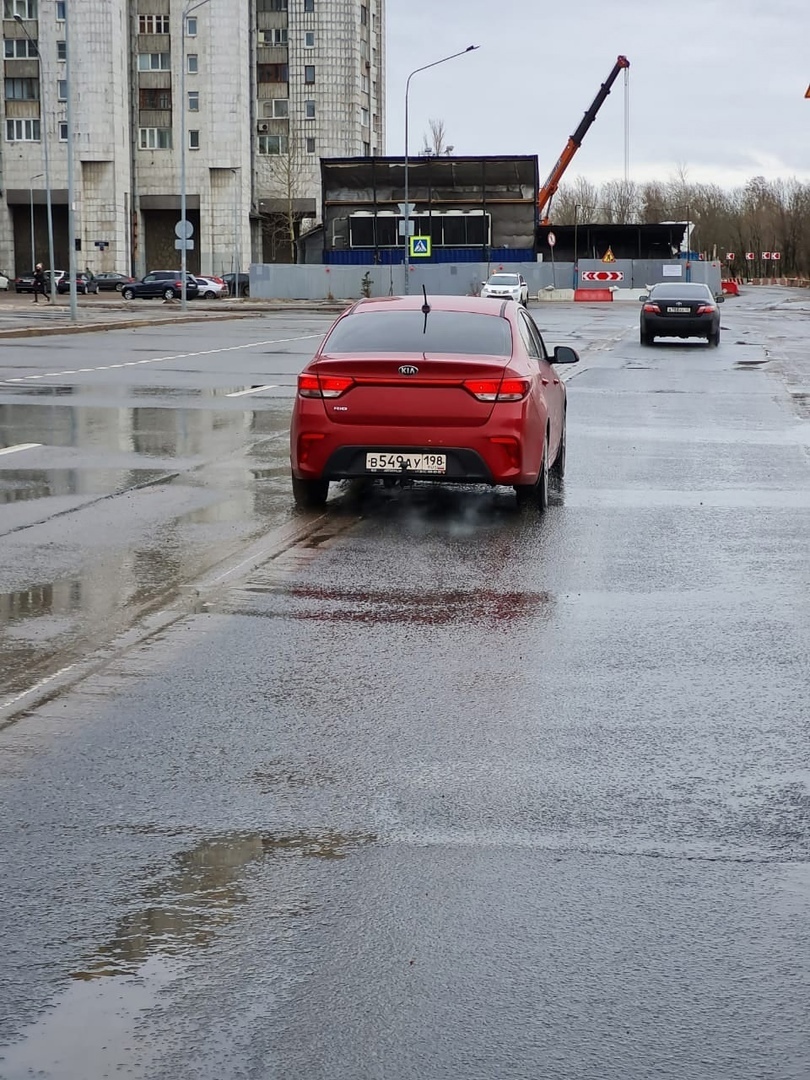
166	359
252	390
20	446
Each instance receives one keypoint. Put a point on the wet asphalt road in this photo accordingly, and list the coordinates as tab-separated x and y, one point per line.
439	791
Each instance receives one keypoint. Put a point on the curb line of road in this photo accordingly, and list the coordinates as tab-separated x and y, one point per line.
150	622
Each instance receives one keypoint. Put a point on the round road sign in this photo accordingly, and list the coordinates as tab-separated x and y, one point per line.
184	230
552	239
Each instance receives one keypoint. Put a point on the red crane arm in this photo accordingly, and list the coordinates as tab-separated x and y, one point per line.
549	188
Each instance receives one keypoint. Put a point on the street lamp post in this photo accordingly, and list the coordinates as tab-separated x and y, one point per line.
31	199
237	258
407	223
190	6
74	303
577	208
43	124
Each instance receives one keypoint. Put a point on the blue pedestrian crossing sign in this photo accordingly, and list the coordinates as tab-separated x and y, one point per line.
420	246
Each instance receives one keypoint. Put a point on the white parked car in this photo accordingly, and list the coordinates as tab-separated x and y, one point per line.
211	288
504	286
3	282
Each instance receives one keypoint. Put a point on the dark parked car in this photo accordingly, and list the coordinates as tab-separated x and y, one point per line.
165	283
680	309
113	282
85	283
24	283
244	284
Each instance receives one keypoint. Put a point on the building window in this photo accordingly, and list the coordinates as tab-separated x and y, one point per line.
63	132
26	9
309	110
309	5
22	130
364	83
363	15
310	145
61	50
153	24
155	99
194	140
273	144
21	49
272	73
272	5
194	101
279	35
366	149
22	89
60	10
364	117
192	65
309	74
61	90
280	108
191	26
309	39
154	61
155	138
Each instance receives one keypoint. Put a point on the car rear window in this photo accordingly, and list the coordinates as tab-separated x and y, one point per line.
410	332
688	292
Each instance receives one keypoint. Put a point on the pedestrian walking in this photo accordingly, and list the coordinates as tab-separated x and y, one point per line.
39	284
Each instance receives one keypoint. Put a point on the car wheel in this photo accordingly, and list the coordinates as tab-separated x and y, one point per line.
209	295
535	495
119	287
309	494
714	339
168	294
127	294
557	470
246	291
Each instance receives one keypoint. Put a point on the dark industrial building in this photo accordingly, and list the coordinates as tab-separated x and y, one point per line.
472	208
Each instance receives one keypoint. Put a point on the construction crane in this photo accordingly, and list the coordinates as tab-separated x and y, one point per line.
549	189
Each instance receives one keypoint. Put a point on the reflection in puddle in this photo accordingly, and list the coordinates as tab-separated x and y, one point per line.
96	1027
56	598
20	485
401	606
184	911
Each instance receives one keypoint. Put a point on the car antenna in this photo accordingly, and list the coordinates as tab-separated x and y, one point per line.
425	309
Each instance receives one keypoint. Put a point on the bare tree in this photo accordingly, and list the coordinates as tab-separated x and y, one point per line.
287	183
436	142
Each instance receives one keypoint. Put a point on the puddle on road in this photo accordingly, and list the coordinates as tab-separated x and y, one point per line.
24	485
95	1028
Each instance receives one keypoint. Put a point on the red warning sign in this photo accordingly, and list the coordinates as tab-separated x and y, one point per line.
602	275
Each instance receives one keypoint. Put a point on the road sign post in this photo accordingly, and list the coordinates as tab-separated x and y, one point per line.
552	240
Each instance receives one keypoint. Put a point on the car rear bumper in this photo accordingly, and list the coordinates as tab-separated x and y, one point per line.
501	451
683	326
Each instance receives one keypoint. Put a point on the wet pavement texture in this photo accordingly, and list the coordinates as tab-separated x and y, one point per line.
456	792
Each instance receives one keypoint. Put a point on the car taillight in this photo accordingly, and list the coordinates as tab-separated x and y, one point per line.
706	309
497	389
653	308
328	386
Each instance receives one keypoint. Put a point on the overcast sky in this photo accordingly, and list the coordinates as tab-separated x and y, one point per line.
716	86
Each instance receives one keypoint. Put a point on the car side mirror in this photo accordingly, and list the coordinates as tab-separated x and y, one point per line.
720	298
564	354
644	297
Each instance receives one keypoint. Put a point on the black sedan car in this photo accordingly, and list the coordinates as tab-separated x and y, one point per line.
680	309
113	282
244	283
24	283
85	284
165	283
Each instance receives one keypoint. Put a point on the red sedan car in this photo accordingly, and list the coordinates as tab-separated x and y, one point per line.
452	389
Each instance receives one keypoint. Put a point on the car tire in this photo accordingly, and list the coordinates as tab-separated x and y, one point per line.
714	339
535	496
557	470
246	291
169	294
645	338
119	287
309	494
209	295
127	294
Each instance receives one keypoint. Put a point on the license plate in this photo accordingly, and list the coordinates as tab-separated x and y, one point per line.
397	463
679	310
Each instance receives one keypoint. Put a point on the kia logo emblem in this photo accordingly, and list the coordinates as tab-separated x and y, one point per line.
408	369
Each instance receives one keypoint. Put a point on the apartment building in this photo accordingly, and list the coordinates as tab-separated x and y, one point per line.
243	97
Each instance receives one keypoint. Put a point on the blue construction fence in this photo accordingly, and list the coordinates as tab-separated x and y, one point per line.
396	256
